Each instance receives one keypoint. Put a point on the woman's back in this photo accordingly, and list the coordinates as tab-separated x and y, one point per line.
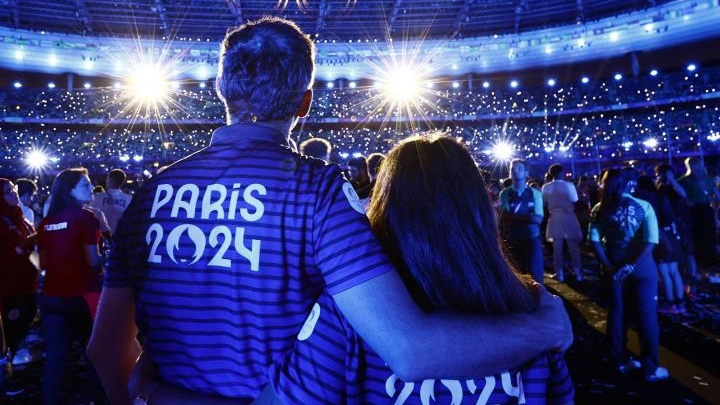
332	365
440	231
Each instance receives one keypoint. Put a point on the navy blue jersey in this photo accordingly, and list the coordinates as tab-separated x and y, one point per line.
332	365
228	249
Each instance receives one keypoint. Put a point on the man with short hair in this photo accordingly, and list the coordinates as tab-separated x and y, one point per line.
316	147
27	190
521	213
112	202
220	258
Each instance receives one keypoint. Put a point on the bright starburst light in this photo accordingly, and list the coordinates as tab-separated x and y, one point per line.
37	160
502	151
148	85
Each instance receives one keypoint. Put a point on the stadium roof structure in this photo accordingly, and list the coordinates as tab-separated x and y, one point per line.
325	19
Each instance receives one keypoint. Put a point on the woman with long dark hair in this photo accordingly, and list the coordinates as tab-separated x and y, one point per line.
624	232
68	246
18	276
438	226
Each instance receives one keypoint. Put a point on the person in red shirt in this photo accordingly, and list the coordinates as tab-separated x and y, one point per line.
18	276
68	245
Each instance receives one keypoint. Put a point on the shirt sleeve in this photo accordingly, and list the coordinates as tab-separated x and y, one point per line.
650	223
572	192
537	195
560	387
595	228
314	371
346	250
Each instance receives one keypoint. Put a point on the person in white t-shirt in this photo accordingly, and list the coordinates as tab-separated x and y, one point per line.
563	227
113	201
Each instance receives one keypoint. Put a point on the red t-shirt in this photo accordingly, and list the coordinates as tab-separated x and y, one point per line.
62	239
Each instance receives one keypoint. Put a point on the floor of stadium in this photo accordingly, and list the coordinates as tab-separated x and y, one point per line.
689	346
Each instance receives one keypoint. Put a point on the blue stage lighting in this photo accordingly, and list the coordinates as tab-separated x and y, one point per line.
585	80
654	72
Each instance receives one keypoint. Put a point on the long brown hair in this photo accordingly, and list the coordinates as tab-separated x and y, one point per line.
434	219
60	197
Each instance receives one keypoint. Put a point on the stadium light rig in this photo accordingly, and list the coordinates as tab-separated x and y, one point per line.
650	143
502	151
148	85
37	160
401	84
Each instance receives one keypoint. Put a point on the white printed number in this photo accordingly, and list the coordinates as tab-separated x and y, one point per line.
220	235
427	389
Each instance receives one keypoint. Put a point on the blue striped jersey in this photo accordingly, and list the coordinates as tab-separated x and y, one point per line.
228	249
330	364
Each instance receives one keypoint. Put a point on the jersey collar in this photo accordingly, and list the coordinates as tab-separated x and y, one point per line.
237	133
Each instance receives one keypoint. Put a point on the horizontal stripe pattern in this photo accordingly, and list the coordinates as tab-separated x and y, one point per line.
333	366
216	329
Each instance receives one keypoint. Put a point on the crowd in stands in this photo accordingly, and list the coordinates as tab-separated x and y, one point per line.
338	289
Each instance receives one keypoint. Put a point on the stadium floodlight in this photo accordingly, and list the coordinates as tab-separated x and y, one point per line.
17	85
36	160
344	155
19	55
649	27
549	148
548	50
654	72
551	82
402	84
581	42
618	76
455	85
203	85
88	64
137	158
585	80
330	85
147	84
514	84
86	85
52	60
503	151
51	85
714	137
563	148
124	158
691	67
352	85
175	85
357	154
614	36
650	143
486	85
627	144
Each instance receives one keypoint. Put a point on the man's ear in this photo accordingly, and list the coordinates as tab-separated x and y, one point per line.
305	104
